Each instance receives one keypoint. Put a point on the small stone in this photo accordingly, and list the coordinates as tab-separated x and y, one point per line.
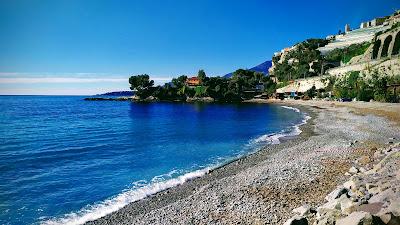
353	170
370	185
377	154
364	160
384	186
373	190
354	198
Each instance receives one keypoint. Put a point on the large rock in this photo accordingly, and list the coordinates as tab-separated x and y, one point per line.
356	218
372	208
296	221
389	218
336	193
302	210
384	196
353	183
327	216
347	205
395	207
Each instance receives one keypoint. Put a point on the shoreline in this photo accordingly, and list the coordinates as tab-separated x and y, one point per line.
165	186
166	202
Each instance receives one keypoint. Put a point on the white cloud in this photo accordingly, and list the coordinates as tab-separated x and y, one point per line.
30	80
76	83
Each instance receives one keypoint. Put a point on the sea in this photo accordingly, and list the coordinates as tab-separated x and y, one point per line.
64	160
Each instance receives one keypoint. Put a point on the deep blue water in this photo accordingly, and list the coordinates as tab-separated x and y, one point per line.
62	155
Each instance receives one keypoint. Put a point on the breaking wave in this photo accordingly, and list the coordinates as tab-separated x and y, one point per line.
275	138
101	209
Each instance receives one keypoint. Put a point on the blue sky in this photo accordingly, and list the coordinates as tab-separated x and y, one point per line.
91	46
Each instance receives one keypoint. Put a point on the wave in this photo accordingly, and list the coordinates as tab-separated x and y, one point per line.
101	209
275	138
292	108
141	189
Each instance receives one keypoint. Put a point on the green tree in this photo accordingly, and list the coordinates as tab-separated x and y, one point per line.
312	92
201	75
179	81
141	85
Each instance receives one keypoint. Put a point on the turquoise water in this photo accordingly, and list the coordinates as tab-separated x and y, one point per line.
66	161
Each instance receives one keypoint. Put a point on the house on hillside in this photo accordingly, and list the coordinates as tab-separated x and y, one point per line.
193	81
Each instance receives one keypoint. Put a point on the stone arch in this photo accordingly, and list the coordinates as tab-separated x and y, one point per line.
396	46
375	50
386	44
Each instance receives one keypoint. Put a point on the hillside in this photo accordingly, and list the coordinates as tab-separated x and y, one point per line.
263	68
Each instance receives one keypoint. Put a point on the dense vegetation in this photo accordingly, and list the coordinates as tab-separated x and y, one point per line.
301	62
244	84
346	54
355	86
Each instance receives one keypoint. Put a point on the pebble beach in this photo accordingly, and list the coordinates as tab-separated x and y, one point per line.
265	187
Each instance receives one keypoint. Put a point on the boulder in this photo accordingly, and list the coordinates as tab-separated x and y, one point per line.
373	191
353	183
336	193
356	218
302	210
296	220
384	196
372	208
395	207
333	204
347	205
327	216
389	218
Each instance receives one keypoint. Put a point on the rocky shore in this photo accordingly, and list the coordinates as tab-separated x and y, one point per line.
371	196
265	187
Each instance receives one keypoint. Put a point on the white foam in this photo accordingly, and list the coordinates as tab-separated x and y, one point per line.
99	210
292	108
269	138
274	138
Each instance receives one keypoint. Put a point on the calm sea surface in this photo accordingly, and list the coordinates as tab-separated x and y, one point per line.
65	160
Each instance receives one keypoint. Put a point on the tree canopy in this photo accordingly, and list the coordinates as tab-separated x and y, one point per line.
244	84
141	84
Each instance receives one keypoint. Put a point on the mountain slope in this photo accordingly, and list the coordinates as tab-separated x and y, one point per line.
263	68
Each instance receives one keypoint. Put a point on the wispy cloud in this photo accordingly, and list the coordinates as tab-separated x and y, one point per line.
30	80
68	77
75	83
